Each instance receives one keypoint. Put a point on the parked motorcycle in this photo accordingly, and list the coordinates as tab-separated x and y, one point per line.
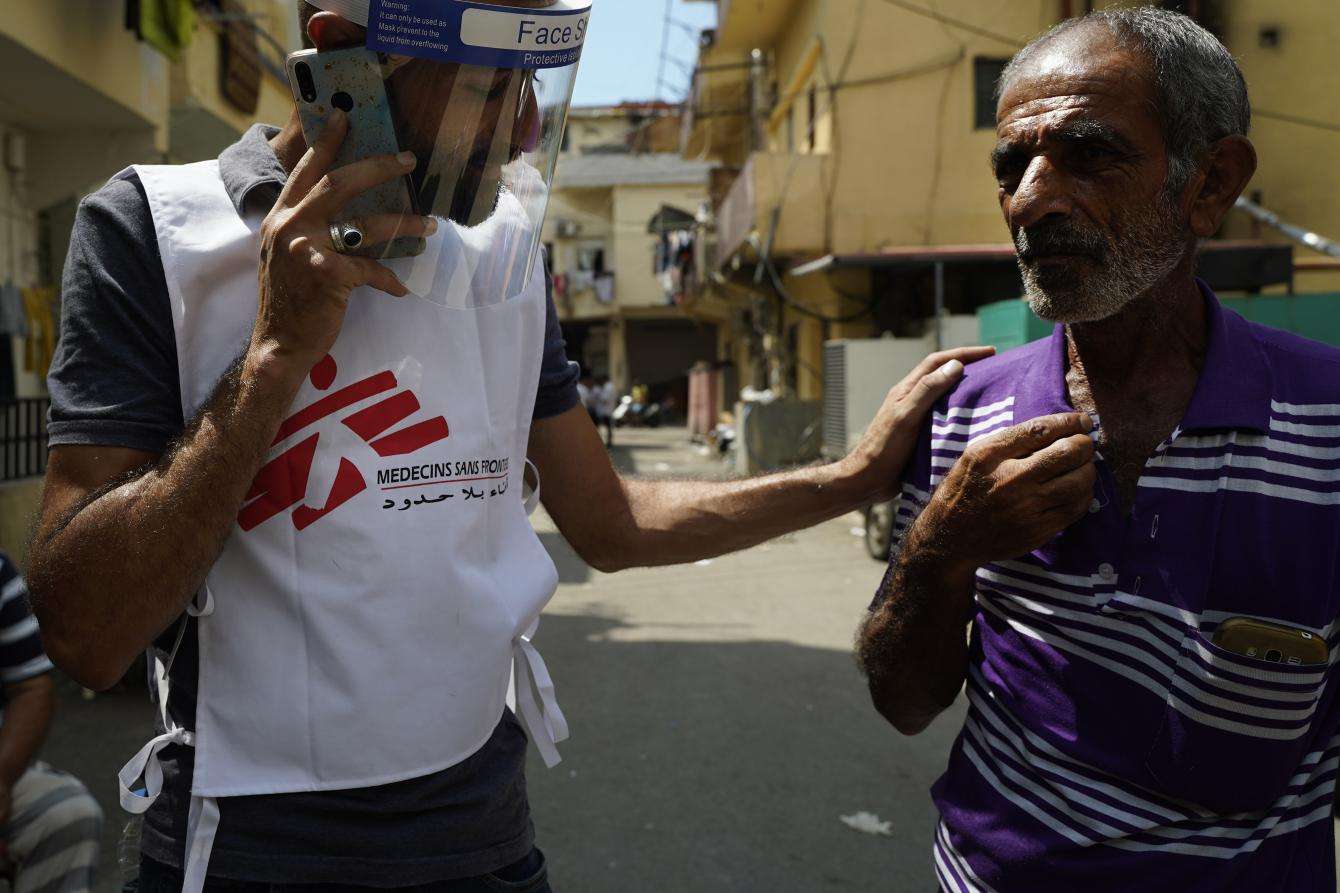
636	415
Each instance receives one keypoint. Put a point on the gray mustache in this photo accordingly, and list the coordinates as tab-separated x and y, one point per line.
1039	241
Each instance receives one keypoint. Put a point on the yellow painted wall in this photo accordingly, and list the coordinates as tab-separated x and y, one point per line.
593	210
1299	78
19	502
586	129
618	217
88	40
196	79
816	294
720	131
909	168
905	165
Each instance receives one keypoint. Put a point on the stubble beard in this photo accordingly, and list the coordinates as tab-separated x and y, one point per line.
1152	244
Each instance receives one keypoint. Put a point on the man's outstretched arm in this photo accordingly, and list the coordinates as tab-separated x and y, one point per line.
616	523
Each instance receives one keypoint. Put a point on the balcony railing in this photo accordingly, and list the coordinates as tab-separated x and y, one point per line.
791	185
23	438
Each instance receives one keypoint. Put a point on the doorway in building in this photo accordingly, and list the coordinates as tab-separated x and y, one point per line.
660	354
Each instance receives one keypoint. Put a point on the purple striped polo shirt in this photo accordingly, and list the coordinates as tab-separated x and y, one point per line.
1109	743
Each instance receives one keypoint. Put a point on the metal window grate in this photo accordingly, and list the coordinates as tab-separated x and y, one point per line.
23	438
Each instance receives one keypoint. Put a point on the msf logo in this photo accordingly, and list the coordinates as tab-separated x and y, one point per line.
282	483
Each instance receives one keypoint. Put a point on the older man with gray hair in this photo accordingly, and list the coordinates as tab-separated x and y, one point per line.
1152	582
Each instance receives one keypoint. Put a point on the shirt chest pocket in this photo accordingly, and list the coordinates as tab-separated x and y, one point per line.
1235	730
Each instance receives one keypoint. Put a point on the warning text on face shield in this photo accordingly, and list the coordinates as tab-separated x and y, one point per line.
477	35
393	26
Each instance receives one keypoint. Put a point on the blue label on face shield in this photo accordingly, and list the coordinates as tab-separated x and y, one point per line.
479	33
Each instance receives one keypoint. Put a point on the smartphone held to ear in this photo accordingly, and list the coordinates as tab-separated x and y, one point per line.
351	81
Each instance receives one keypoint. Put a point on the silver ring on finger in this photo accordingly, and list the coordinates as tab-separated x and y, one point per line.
345	237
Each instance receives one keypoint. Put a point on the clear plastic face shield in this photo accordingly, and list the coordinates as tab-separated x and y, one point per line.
479	93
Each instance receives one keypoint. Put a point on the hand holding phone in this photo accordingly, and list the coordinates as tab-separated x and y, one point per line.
305	282
351	80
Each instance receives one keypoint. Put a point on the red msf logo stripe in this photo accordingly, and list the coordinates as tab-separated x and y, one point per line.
282	483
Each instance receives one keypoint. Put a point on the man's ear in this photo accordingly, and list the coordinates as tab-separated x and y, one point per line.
1228	169
329	31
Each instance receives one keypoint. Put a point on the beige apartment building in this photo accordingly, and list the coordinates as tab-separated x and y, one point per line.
621	243
850	142
83	95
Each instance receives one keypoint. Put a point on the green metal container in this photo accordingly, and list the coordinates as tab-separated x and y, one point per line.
1315	316
1007	324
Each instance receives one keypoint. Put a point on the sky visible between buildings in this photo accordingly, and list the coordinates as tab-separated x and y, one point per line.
623	50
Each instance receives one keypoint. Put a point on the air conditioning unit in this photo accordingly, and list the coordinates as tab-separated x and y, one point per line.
858	374
568	229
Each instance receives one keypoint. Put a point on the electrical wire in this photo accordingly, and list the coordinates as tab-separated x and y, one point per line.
800	308
956	23
665	46
785	297
765	263
1297	119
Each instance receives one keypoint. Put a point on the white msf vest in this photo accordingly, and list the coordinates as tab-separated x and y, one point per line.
382	579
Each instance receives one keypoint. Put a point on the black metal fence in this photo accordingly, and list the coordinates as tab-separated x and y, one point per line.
23	438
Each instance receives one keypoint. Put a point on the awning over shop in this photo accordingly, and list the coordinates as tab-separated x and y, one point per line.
1225	265
670	219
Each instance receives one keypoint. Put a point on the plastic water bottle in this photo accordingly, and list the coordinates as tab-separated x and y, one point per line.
128	854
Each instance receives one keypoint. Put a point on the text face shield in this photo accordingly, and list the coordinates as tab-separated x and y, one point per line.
480	94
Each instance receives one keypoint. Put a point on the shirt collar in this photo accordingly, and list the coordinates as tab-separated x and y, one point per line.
249	165
1235	384
1233	391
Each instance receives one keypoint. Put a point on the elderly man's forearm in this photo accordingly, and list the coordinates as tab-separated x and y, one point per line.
110	575
913	645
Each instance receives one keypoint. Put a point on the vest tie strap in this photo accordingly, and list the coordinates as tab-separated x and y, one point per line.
146	763
536	701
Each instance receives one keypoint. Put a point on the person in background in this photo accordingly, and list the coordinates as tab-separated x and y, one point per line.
586	394
607	398
50	826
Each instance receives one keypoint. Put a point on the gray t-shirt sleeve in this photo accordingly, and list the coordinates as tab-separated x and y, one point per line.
113	380
558	376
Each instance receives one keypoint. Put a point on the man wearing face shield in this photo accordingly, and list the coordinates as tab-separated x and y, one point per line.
289	451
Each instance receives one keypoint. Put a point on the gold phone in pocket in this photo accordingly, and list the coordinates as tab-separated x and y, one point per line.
1270	642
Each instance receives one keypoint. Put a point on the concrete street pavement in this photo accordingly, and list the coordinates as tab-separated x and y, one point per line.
719	726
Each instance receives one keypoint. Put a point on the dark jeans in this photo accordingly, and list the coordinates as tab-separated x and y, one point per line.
530	875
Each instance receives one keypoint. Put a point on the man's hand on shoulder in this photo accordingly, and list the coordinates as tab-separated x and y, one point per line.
878	461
